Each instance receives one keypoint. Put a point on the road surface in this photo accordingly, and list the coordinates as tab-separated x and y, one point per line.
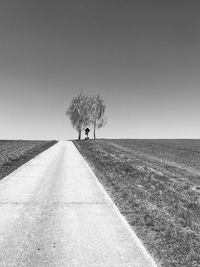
54	212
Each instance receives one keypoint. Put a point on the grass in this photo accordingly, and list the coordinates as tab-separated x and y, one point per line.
156	185
14	153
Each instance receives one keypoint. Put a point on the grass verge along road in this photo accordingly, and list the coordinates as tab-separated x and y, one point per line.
156	186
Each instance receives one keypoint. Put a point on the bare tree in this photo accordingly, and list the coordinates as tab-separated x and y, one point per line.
78	113
97	111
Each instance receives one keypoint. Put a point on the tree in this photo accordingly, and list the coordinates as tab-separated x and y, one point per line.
97	111
78	112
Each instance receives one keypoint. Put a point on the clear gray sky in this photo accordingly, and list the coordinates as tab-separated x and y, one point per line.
141	56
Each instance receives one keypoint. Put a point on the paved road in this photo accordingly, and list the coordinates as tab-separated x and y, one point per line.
53	212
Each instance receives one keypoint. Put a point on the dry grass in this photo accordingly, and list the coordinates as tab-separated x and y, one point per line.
15	153
156	185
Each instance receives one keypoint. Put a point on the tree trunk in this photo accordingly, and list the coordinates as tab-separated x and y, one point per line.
95	130
79	134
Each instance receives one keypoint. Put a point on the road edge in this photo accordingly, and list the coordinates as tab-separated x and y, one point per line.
139	243
28	162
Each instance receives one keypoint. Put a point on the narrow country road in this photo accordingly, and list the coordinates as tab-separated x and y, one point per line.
53	212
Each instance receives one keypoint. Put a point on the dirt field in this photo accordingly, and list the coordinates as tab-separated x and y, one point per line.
15	153
156	185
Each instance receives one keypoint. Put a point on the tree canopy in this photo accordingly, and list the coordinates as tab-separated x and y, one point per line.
85	111
78	112
97	111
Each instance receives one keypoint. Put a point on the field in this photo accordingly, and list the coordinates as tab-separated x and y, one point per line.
156	185
15	153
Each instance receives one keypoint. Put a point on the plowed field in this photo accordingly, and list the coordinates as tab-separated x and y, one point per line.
156	185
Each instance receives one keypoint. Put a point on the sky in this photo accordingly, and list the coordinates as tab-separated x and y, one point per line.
141	56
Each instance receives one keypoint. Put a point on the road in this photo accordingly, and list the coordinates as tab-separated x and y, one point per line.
54	212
